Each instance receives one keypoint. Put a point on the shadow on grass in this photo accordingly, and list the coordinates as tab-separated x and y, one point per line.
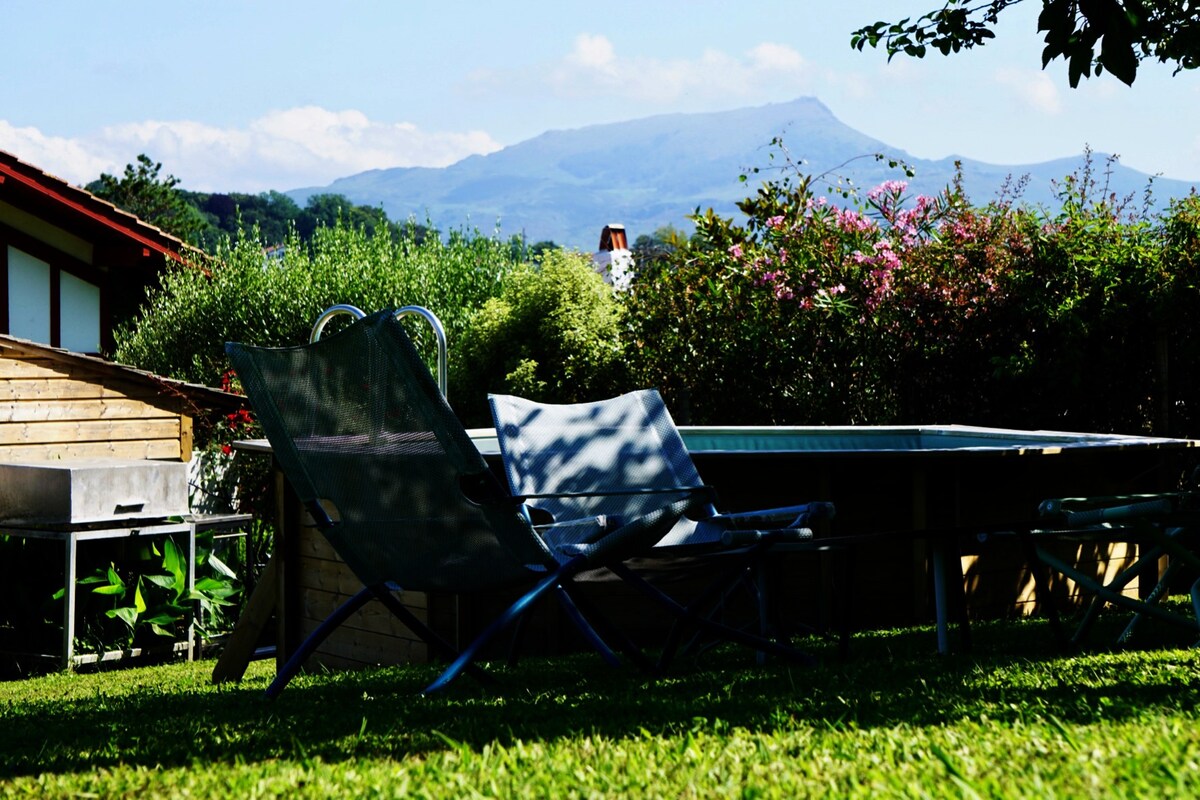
169	717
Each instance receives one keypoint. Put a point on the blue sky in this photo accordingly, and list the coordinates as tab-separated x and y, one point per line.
256	95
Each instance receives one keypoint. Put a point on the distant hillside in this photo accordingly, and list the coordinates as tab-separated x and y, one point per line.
566	185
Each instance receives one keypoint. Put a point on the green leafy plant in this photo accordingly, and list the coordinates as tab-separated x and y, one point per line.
244	296
160	601
552	334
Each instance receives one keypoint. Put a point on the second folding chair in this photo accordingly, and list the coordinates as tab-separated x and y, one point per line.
600	463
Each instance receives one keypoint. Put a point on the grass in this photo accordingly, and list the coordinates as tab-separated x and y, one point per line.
1011	719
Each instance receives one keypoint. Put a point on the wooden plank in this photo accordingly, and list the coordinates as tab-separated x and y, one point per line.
91	431
161	449
81	409
371	649
240	647
335	578
317	605
30	368
185	438
49	370
314	545
329	576
45	389
999	582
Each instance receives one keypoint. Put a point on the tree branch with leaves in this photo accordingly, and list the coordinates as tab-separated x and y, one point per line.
1092	36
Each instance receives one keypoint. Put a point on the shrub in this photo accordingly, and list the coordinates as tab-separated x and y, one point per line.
553	334
890	309
186	320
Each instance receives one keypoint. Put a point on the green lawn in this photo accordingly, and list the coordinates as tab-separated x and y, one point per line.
1011	719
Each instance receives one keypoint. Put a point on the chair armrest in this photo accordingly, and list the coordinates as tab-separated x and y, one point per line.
1108	509
743	538
800	515
618	492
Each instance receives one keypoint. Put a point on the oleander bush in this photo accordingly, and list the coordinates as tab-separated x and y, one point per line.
897	309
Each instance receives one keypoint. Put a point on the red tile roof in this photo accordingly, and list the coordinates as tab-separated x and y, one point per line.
32	189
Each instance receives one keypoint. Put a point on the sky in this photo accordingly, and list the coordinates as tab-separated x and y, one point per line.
260	95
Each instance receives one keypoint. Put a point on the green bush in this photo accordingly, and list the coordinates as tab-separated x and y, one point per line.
242	296
553	334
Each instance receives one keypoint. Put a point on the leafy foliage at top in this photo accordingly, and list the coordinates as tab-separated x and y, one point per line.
1092	36
275	216
206	219
153	199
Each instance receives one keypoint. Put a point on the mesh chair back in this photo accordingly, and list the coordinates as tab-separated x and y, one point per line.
626	444
358	425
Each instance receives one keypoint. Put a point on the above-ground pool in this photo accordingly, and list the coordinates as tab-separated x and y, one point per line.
901	479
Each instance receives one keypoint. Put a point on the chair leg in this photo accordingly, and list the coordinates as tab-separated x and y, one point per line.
1155	596
584	626
609	631
1117	584
1107	594
314	640
758	573
845	592
716	628
715	594
510	615
444	648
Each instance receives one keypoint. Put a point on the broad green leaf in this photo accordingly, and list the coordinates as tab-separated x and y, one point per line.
139	603
125	614
165	581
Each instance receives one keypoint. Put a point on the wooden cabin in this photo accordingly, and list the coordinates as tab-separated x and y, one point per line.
58	404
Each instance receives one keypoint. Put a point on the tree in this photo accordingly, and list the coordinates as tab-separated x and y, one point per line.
655	248
152	199
1092	36
327	209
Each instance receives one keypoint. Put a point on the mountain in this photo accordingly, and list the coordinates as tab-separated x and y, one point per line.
564	186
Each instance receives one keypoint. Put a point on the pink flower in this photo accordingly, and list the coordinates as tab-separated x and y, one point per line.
736	251
887	188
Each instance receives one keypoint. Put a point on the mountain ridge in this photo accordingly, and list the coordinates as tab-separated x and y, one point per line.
564	185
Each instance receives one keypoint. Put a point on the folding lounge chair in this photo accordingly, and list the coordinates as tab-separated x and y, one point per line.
1159	525
391	478
616	459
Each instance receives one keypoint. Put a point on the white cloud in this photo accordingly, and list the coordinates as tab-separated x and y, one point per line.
593	52
69	159
594	69
282	150
1032	88
776	57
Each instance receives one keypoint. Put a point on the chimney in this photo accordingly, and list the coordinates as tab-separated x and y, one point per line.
613	238
613	260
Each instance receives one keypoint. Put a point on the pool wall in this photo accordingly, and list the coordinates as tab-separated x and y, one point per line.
935	491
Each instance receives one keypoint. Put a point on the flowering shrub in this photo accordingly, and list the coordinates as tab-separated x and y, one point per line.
897	309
